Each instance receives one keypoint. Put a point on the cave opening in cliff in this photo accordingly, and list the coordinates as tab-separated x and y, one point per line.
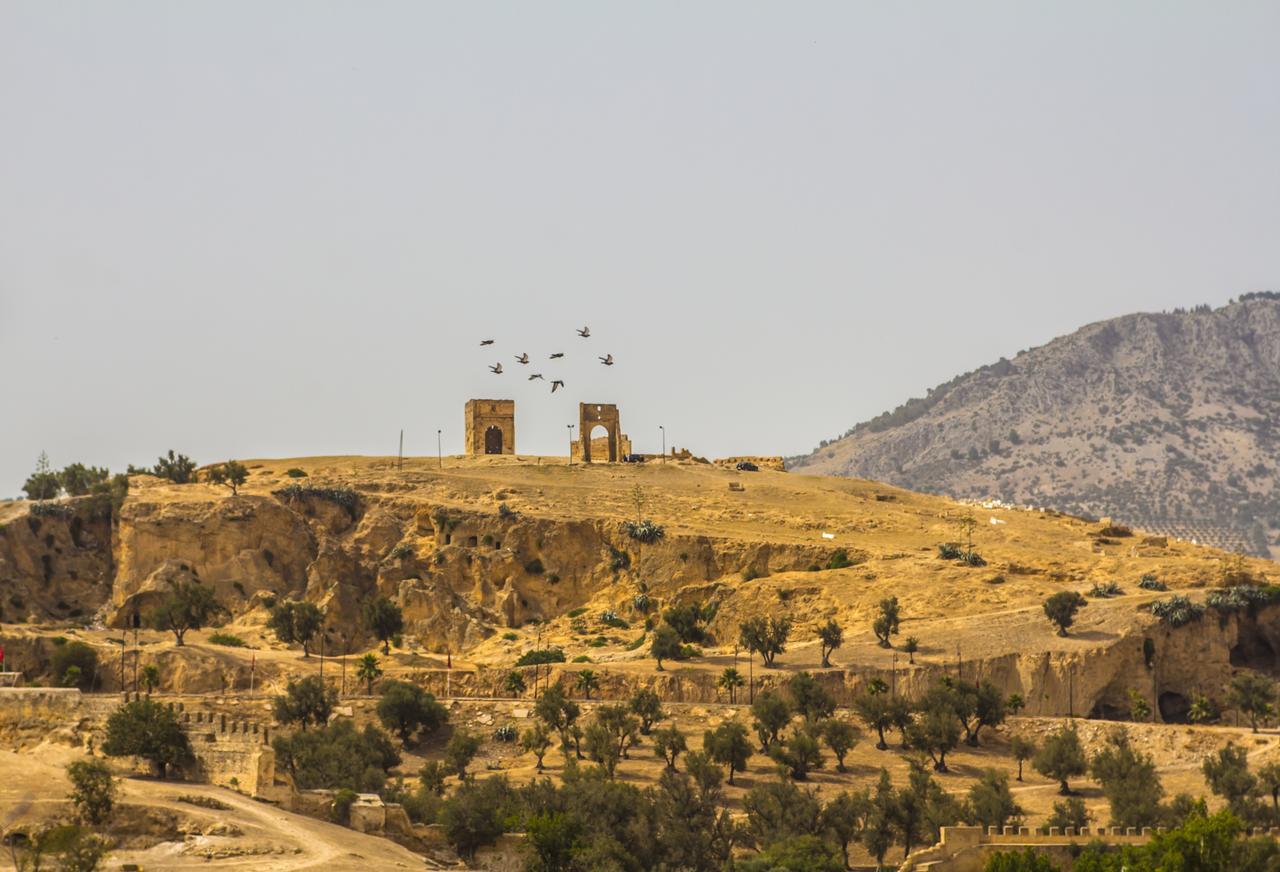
1252	650
1108	710
1174	707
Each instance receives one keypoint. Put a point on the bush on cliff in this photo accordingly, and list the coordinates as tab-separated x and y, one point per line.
146	729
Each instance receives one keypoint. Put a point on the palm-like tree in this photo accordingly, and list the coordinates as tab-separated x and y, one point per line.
730	680
150	677
587	682
369	671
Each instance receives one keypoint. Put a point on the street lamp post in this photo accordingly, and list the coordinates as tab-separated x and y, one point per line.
570	426
664	442
439	451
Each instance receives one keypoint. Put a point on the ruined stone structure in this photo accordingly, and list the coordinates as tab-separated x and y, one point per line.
491	427
230	752
611	447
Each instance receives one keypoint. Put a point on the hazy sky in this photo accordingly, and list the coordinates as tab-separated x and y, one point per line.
269	229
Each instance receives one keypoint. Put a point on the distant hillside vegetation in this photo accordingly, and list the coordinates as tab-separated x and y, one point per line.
1166	421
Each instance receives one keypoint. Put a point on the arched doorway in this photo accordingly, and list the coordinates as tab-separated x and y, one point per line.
493	440
601	445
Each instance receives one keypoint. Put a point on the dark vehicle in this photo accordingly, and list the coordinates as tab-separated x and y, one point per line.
633	458
747	466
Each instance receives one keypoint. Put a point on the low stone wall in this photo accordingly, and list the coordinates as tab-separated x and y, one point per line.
967	849
773	463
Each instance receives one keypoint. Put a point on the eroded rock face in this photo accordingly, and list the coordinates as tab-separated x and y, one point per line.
56	565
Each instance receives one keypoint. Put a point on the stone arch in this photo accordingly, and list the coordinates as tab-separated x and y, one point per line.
592	416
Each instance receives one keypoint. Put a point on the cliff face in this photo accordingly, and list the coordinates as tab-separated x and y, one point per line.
1164	421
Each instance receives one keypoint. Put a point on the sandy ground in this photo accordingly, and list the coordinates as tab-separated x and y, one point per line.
32	784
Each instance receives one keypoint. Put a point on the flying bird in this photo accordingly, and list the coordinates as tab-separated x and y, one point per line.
557	355
486	341
522	358
535	375
607	361
496	369
556	384
584	332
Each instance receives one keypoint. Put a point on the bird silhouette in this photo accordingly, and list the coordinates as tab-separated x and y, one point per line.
607	361
556	384
535	375
496	369
557	355
584	332
486	341
522	358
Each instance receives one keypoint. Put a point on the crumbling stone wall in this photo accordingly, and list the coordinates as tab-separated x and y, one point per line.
481	416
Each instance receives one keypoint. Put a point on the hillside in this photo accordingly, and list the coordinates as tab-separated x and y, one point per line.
1164	421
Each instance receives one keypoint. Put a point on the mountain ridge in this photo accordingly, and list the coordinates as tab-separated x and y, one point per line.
1163	420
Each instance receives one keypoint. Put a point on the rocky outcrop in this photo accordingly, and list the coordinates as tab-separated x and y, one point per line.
55	562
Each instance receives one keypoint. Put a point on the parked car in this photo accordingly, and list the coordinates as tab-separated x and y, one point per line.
747	466
633	458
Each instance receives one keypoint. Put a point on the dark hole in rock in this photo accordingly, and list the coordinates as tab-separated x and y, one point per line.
1253	651
1173	707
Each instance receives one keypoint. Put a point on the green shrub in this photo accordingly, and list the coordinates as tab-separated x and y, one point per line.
1177	610
646	531
839	559
227	640
537	657
1105	590
610	619
578	612
1150	582
510	637
340	813
340	496
294	472
582	658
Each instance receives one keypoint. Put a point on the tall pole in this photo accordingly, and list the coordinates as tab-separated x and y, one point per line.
400	454
664	442
124	644
751	679
570	426
343	692
439	451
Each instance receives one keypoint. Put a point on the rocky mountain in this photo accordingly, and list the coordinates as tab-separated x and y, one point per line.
1169	422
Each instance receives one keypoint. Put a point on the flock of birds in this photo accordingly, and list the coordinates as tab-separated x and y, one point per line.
523	359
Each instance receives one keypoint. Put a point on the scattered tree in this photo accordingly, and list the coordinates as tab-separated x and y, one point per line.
830	637
150	677
841	737
459	752
911	645
886	622
766	637
799	752
473	816
308	700
178	468
728	744
146	729
74	664
730	681
587	682
666	644
1129	781
514	683
558	712
1061	757
232	474
406	708
668	744
809	698
188	605
42	484
296	622
690	620
1253	695
368	671
772	714
935	729
384	619
1061	609
93	790
991	802
536	740
1022	750
647	706
1070	812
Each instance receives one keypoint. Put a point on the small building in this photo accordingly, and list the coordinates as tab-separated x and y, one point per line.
491	427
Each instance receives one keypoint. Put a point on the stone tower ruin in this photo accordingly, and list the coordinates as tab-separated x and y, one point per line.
491	427
613	446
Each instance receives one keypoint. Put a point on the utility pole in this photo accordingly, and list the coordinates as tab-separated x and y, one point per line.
439	451
570	426
400	454
664	442
322	635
